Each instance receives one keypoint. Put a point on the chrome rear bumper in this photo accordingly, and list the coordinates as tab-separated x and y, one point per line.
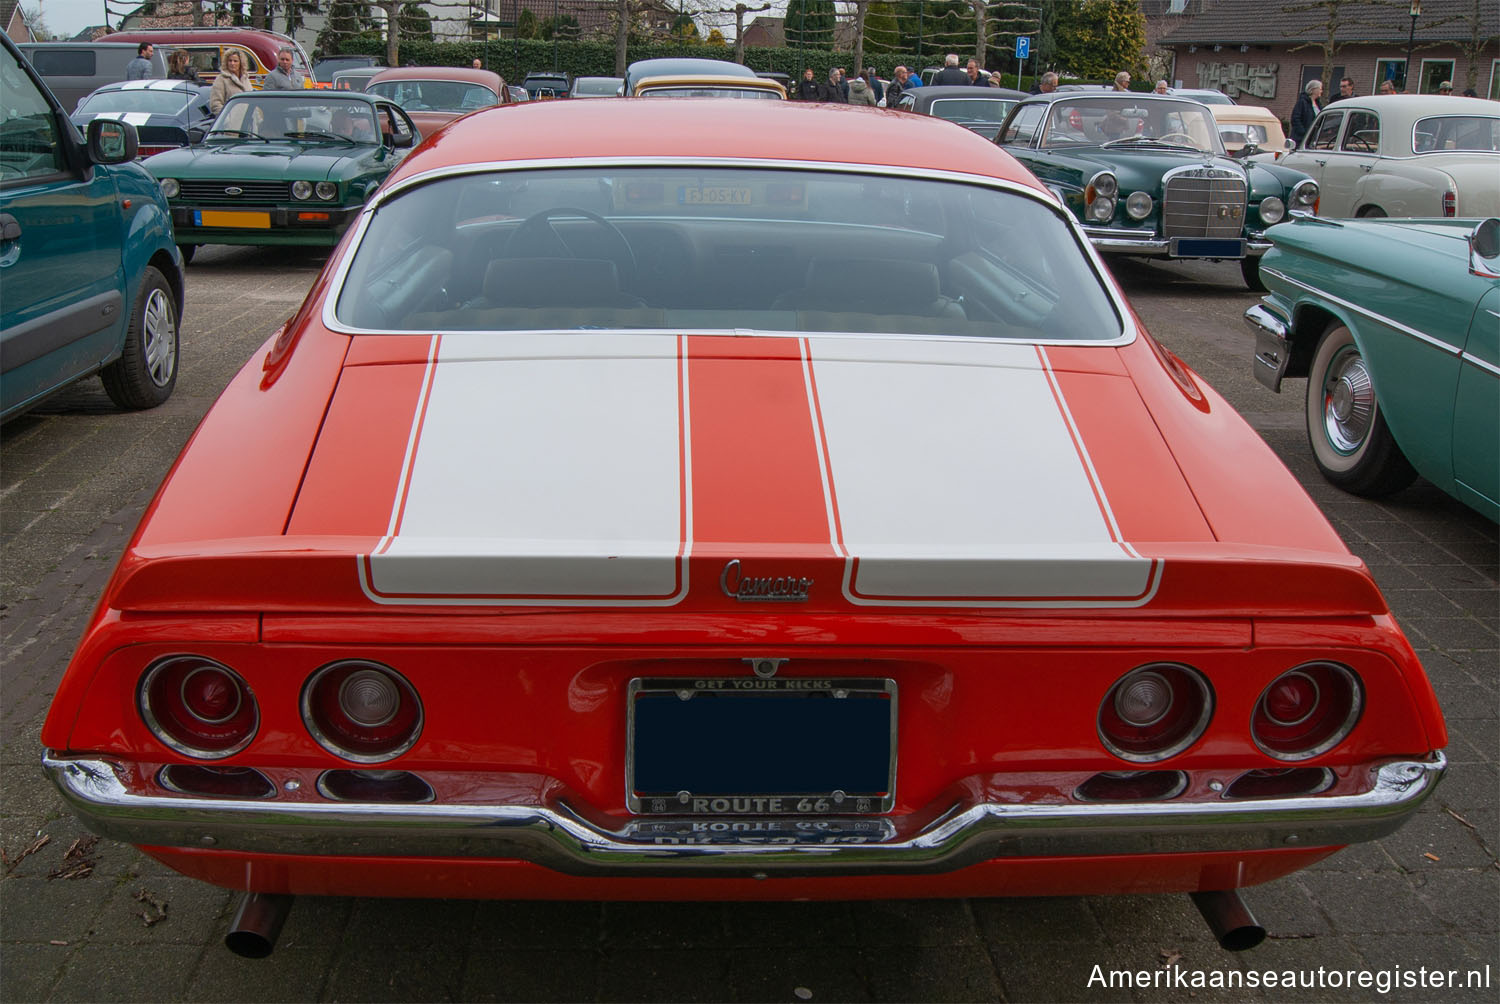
538	824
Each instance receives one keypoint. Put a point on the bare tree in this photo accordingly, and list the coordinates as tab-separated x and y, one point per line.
861	9
392	30
1335	20
1478	42
739	11
982	30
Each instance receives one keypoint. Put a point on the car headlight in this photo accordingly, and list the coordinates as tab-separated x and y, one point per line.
1272	210
302	189
1102	210
1139	205
1304	194
170	188
328	191
1105	184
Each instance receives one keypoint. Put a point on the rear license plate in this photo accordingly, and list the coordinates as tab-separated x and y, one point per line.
1206	247
713	195
749	746
232	218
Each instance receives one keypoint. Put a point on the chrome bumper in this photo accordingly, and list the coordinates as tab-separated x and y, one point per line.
544	829
1272	347
1147	243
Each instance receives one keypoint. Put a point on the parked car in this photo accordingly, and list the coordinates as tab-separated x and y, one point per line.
435	95
167	114
1420	155
1396	325
354	79
1147	175
103	293
596	87
1212	98
74	70
283	167
641	69
206	48
1248	130
980	110
545	86
468	584
709	86
329	67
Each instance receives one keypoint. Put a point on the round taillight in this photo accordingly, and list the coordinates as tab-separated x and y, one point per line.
362	711
1306	711
1155	711
198	707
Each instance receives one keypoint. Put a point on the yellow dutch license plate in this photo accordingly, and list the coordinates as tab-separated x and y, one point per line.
232	218
714	195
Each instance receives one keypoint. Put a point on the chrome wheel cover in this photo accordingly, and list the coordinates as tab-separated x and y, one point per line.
1348	402
159	337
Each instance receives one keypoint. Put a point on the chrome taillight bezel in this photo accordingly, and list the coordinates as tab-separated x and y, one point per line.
1356	695
153	717
1194	731
331	743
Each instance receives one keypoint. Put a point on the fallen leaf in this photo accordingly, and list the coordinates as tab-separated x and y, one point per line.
80	848
1461	819
27	851
76	870
1431	856
156	909
55	942
1169	956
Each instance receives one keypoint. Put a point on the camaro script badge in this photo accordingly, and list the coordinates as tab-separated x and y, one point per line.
781	589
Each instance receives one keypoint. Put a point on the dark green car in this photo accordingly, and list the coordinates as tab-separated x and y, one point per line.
282	167
1147	175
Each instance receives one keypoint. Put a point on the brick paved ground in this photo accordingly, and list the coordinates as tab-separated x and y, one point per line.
73	480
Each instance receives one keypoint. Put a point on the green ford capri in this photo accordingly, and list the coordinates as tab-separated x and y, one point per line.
282	167
1148	176
1396	325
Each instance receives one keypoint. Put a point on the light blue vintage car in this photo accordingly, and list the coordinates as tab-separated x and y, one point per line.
1396	325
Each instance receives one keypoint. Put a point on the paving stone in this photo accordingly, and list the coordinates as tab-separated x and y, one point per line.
1171	919
1467	900
1042	973
124	973
1361	902
915	923
663	925
529	975
1309	965
366	972
791	925
507	926
28	972
196	913
1398	960
632	974
825	974
288	974
408	923
1040	919
933	973
1434	840
37	911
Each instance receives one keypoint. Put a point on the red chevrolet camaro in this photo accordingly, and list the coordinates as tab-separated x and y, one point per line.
732	500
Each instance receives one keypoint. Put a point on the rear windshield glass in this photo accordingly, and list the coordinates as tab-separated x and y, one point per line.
718	248
151	102
972	109
435	95
1447	133
702	91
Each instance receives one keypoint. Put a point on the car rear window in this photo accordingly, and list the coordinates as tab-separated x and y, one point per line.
718	248
1449	133
153	102
435	95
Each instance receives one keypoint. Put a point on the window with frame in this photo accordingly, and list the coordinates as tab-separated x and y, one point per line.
1434	72
1495	80
30	146
1393	70
1325	132
1363	133
1023	126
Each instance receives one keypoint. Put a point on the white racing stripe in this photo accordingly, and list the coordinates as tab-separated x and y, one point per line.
136	85
998	510
137	118
163	85
552	475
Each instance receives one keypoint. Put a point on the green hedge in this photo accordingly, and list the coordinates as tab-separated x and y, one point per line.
513	60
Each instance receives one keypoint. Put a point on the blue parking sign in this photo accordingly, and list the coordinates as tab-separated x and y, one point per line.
1023	47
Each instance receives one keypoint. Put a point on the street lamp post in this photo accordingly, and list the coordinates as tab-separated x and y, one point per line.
1416	12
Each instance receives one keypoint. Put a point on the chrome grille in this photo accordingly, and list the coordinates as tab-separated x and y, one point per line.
1203	202
252	193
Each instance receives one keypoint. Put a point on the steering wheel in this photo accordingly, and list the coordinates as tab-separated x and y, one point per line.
1177	135
536	235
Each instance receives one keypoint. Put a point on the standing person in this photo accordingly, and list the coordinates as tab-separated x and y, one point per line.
950	75
972	69
860	93
1309	103
1446	87
807	87
1387	87
232	80
830	91
283	78
478	64
901	81
179	68
1045	84
139	68
1161	87
844	83
1122	81
1346	90
874	83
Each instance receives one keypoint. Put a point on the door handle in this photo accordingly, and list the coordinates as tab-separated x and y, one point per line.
10	228
1320	163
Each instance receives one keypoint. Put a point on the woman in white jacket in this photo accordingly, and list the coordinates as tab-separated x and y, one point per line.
232	79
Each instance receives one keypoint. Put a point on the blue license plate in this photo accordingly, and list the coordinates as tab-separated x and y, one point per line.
1207	247
747	746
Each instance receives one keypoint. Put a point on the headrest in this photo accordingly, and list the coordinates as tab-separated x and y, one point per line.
871	285
551	282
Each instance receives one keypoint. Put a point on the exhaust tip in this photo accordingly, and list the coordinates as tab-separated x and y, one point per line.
1233	925
257	924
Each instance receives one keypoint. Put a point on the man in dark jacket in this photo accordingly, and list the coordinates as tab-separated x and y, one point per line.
807	87
1308	105
831	90
951	75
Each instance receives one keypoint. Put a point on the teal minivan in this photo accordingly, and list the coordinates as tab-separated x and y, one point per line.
90	277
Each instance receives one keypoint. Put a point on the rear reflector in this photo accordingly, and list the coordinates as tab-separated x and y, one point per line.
1282	782
1132	786
215	782
374	786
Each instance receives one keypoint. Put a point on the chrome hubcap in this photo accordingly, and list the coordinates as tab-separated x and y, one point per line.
1348	402
161	338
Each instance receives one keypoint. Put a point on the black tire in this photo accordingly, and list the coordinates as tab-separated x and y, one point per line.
1250	271
1350	442
187	252
146	372
1372	213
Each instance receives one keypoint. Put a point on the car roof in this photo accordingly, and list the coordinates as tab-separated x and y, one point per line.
557	131
1415	106
311	94
666	80
151	85
968	91
488	78
683	66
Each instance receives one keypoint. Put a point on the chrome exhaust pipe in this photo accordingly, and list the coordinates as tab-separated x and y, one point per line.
257	923
1230	919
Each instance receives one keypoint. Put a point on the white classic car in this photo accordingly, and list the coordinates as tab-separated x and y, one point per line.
1424	155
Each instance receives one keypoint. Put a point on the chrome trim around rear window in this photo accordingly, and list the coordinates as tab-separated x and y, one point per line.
1123	312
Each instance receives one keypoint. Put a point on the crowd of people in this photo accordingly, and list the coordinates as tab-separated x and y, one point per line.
867	88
